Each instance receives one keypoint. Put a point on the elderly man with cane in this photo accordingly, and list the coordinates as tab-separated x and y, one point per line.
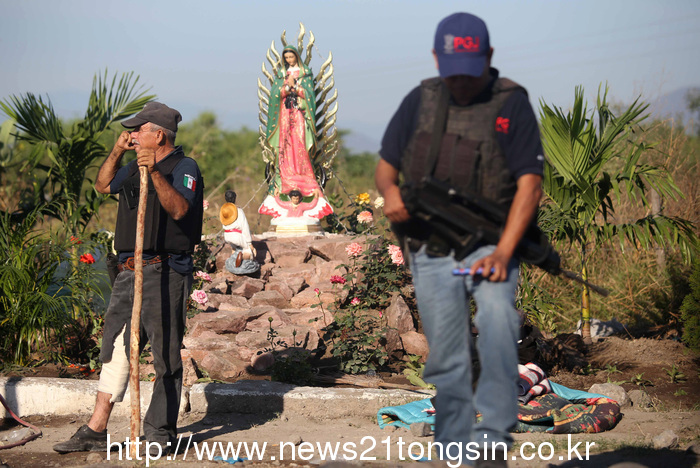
172	228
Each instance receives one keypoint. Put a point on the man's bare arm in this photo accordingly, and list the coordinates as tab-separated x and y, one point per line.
110	166
170	199
522	210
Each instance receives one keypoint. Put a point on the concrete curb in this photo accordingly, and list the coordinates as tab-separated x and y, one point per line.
261	396
66	397
29	396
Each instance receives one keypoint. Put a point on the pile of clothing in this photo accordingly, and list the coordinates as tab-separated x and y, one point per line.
544	406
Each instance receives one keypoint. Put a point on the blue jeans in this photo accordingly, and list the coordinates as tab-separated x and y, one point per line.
443	302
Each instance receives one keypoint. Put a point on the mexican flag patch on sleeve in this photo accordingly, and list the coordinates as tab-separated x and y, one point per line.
190	182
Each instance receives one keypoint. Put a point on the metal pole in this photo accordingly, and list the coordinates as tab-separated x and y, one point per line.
135	392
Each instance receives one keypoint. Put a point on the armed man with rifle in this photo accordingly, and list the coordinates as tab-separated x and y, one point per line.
465	132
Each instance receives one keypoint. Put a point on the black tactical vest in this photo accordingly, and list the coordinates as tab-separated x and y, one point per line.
162	233
470	157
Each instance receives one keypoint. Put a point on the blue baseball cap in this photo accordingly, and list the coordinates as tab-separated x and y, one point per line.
461	45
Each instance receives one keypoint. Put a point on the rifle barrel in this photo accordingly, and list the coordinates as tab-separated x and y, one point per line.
571	275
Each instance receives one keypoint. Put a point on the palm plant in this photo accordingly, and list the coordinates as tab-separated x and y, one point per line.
64	155
592	163
42	290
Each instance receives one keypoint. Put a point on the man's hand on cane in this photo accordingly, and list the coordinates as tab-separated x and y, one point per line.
147	158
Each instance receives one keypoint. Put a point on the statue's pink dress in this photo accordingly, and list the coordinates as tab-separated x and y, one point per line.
296	171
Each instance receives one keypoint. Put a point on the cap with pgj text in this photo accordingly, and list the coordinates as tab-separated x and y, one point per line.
461	45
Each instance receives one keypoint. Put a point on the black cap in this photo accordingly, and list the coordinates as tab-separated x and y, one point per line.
157	113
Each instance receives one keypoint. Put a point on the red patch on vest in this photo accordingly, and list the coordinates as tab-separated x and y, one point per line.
502	124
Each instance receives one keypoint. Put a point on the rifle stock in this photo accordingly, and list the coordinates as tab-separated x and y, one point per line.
463	219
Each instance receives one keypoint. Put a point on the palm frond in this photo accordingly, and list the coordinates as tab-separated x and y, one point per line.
120	100
35	118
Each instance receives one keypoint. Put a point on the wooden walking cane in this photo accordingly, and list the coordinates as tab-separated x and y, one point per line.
135	392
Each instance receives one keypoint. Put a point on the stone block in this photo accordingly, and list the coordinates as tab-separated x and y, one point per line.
222	256
291	275
292	258
246	287
234	303
313	318
278	317
272	298
223	366
308	297
332	247
282	288
222	322
398	315
612	391
415	343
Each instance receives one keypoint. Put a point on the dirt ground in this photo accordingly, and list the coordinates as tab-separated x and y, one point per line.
646	364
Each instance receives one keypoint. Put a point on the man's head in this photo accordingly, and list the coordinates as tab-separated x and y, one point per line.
230	196
155	126
463	54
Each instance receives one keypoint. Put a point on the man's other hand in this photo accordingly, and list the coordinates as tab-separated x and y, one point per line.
496	262
124	142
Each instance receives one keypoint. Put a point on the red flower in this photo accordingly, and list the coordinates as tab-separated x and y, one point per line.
335	279
502	124
75	240
87	258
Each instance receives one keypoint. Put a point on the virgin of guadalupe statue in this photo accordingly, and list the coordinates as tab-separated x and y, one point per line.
291	142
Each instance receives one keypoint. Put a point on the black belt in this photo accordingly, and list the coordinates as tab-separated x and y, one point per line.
129	263
434	248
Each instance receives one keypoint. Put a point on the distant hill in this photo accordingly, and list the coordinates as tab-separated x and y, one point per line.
674	105
358	142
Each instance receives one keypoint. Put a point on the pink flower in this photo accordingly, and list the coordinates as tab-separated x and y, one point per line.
317	291
87	258
365	217
353	250
335	279
355	301
199	296
203	275
205	204
396	254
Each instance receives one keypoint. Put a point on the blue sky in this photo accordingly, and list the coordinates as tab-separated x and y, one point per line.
207	55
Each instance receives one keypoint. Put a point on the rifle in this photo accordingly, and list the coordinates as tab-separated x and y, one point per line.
462	219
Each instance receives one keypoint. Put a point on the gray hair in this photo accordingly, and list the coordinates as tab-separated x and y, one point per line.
169	134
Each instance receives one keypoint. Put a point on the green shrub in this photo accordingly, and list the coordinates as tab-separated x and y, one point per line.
690	310
48	284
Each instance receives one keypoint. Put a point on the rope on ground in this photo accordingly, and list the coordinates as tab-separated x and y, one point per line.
37	431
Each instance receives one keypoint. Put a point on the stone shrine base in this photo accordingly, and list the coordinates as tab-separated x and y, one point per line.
297	226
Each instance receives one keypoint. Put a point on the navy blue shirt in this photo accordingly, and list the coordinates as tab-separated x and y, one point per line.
518	133
184	178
